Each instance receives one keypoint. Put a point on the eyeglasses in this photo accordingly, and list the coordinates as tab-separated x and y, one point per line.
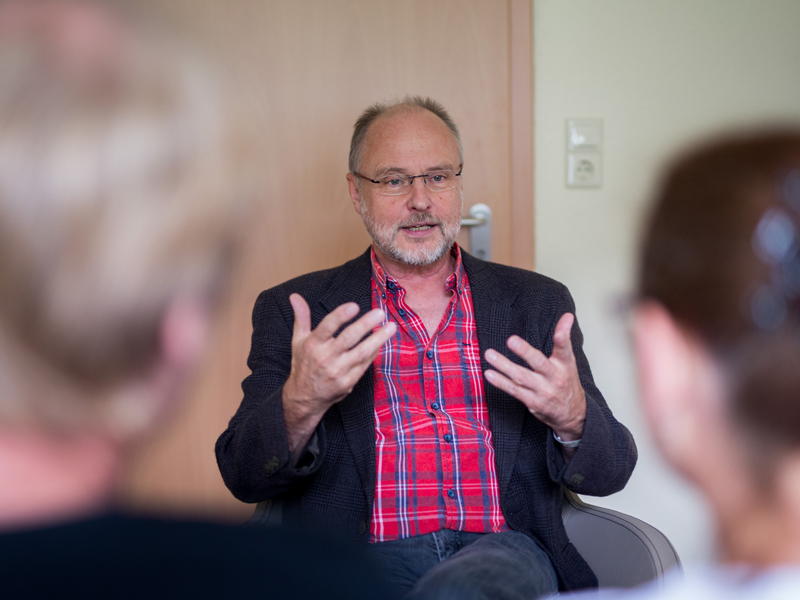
397	184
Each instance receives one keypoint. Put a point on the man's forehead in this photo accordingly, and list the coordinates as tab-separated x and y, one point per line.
410	131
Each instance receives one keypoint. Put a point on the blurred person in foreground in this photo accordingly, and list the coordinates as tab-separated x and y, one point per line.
717	337
123	184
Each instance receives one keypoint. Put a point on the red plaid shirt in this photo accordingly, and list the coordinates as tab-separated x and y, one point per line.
435	459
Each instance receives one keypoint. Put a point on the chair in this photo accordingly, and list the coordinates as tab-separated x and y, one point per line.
622	551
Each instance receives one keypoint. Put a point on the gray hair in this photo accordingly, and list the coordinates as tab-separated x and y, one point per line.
381	108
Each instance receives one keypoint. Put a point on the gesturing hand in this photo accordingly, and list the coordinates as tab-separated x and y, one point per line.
552	390
326	368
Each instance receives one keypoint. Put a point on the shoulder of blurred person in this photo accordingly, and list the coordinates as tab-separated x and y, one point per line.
717	583
138	557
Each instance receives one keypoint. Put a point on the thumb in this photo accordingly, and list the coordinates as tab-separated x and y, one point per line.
302	316
562	341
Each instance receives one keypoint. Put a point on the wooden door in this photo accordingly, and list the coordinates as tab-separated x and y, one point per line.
311	66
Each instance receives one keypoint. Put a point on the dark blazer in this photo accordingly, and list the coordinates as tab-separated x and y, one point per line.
334	483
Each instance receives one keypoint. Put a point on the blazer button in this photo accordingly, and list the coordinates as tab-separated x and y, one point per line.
362	527
271	465
576	479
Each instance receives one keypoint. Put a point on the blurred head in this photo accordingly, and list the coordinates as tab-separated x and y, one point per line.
413	137
121	188
718	328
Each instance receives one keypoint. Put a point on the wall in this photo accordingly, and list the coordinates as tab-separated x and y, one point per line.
659	74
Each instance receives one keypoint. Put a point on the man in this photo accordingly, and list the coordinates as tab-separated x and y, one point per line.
386	431
120	179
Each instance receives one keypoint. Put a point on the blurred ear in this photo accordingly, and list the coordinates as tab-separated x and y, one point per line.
184	336
669	384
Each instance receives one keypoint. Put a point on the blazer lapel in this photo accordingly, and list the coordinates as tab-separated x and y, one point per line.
356	410
496	319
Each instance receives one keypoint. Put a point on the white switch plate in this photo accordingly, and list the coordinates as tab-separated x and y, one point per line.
584	169
585	134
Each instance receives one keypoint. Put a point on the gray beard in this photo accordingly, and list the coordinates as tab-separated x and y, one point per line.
383	236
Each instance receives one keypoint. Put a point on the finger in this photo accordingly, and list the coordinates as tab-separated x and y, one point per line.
562	340
355	331
302	316
335	319
362	355
535	358
529	398
516	373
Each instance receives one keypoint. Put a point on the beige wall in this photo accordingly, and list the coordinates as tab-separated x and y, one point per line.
659	74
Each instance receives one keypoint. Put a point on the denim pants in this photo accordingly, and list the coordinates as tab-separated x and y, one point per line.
467	566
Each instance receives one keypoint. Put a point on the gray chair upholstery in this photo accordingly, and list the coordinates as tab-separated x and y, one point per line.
622	551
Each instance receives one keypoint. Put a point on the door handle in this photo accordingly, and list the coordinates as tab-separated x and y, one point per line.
480	230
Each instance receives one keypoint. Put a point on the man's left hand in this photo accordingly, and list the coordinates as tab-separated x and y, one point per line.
551	388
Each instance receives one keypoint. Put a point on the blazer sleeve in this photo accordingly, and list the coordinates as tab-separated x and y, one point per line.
607	454
253	452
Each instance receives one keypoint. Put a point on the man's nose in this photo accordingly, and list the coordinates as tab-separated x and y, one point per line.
419	195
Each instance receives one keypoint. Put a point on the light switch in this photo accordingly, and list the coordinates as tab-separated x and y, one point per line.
585	134
584	152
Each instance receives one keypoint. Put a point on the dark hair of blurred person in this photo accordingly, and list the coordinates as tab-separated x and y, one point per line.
124	180
717	337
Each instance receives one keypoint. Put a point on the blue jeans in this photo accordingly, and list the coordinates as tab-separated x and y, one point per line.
467	566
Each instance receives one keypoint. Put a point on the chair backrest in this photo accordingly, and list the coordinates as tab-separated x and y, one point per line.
623	551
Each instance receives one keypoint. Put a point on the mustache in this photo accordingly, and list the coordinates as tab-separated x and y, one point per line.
417	218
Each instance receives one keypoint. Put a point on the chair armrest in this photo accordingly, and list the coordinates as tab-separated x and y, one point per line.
622	551
267	513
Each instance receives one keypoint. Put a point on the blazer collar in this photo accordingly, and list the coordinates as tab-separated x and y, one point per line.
496	318
352	283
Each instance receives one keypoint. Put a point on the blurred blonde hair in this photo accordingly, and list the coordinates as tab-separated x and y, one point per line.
123	182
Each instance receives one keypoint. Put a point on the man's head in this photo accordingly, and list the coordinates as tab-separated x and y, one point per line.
412	137
119	185
718	328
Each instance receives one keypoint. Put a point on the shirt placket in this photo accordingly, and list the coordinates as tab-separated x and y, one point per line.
431	383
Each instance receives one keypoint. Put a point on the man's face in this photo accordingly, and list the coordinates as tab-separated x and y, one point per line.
418	228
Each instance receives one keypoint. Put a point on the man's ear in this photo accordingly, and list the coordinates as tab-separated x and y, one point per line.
670	385
355	192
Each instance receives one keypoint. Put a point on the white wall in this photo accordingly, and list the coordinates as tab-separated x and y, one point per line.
659	74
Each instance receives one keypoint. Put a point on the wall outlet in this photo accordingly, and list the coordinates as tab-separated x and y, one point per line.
584	169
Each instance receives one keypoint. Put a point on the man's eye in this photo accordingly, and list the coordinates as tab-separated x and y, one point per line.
437	177
393	182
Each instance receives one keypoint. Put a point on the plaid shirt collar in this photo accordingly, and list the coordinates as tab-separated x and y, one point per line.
454	283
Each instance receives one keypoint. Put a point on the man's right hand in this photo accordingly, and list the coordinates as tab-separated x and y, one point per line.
326	368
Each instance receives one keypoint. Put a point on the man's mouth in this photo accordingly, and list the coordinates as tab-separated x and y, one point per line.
423	227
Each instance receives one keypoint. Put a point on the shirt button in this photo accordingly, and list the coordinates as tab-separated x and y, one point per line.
451	493
429	354
390	285
383	295
448	437
402	312
435	406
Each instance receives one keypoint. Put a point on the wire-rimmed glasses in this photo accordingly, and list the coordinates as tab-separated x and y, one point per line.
399	184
